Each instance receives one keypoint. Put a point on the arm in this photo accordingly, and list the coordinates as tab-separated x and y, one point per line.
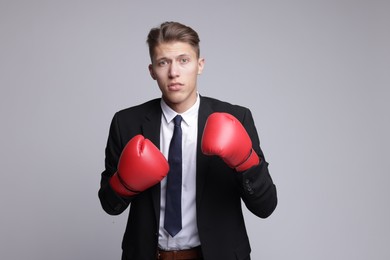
111	202
258	190
141	165
237	143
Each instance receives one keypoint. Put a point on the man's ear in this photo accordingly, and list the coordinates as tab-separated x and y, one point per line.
200	65
152	72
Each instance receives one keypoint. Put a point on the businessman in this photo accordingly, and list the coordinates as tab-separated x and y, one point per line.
184	162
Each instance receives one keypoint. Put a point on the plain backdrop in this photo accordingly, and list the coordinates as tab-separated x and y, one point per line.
315	74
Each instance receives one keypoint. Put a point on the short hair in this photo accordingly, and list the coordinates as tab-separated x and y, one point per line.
172	32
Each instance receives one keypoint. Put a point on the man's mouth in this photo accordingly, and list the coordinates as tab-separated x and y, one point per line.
175	86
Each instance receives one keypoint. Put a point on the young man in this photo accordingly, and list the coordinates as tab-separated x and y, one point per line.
208	148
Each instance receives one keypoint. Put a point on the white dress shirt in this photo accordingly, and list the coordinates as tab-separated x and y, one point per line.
188	237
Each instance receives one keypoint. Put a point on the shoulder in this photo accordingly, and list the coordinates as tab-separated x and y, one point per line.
217	105
139	110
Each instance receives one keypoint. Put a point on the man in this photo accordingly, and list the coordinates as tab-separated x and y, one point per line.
218	162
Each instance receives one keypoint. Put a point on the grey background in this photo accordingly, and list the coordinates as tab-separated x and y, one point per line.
314	73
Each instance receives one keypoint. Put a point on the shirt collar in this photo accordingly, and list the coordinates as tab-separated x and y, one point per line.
189	116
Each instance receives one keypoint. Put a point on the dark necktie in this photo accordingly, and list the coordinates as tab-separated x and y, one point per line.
172	221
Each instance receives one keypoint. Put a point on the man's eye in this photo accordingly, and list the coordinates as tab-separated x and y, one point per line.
184	60
162	63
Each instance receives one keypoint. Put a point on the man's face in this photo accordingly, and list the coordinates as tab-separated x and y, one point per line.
176	67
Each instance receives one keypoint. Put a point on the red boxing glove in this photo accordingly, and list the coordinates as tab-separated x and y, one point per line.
225	136
141	166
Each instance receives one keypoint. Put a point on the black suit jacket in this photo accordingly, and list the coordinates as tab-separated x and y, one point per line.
219	189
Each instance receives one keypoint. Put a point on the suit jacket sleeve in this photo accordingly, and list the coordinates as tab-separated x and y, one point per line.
112	203
257	188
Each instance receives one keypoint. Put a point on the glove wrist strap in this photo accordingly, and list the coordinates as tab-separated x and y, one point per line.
251	161
119	186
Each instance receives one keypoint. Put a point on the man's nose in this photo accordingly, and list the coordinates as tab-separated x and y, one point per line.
173	70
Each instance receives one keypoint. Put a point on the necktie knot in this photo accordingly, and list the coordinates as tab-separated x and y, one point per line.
177	120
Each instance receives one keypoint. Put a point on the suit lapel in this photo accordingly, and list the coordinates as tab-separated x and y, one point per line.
201	159
151	127
151	130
